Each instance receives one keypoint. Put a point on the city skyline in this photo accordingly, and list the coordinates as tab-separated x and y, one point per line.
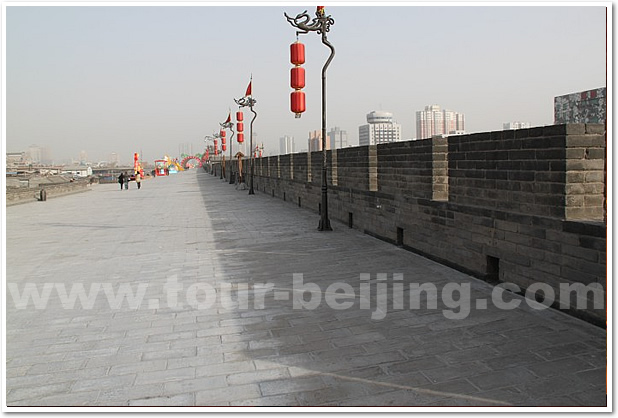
162	77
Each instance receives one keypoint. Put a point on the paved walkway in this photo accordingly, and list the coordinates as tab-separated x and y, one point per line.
178	347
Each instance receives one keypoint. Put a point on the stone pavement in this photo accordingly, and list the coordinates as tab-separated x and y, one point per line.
172	346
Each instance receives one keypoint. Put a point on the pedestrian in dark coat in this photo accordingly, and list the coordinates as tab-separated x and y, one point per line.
121	180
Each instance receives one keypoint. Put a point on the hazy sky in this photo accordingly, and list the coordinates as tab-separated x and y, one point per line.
123	79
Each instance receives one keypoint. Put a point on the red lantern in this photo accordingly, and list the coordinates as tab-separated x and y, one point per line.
240	137
223	140
297	78
223	147
239	116
207	154
240	127
297	53
222	133
216	147
297	99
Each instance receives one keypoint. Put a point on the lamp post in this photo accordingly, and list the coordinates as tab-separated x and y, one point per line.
221	159
320	24
244	102
213	138
229	125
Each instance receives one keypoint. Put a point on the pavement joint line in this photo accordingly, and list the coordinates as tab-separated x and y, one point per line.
408	388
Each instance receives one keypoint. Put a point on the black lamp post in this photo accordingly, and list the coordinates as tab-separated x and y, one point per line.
215	148
243	102
320	24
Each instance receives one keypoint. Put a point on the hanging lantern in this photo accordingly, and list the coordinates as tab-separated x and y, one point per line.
297	53
216	147
223	140
239	116
240	137
240	127
297	78
297	99
223	146
222	133
207	154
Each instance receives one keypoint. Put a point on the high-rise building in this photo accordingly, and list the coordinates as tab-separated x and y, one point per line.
380	128
588	106
515	125
337	138
286	145
34	154
315	141
83	157
435	121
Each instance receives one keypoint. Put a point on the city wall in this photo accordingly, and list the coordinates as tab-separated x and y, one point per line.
520	206
18	195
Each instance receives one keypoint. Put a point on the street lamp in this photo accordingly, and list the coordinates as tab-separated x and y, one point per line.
320	24
245	101
229	125
214	138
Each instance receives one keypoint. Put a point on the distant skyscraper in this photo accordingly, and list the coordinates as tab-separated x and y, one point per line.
113	158
584	107
435	121
515	125
338	138
380	128
34	154
286	145
83	157
315	141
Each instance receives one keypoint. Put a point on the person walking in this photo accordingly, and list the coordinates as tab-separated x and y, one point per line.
121	180
126	181
138	180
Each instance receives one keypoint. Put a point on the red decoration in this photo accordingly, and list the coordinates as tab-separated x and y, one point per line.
297	78
222	133
240	127
297	99
223	140
223	147
239	116
240	137
216	147
297	53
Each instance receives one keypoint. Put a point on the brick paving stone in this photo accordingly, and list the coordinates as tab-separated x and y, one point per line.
194	385
185	399
272	356
221	396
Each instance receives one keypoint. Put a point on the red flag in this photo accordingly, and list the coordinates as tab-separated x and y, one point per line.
248	92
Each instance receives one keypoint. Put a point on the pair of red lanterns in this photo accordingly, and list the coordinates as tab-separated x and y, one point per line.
297	78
